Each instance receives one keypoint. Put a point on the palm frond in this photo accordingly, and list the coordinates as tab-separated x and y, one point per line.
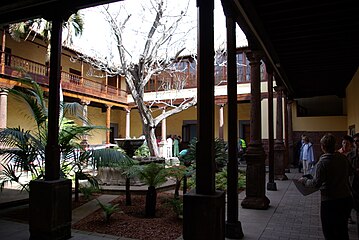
8	175
153	174
110	157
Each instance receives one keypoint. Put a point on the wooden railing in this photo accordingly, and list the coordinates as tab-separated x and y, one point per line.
181	79
19	67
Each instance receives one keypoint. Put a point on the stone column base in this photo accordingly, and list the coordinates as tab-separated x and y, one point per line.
271	186
281	177
50	209
204	216
234	230
260	203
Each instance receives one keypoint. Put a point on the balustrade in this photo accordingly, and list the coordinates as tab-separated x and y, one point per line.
184	77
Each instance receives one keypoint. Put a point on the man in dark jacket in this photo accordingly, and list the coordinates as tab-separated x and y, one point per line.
332	179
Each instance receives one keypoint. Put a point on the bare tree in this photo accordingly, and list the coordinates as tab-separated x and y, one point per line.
156	59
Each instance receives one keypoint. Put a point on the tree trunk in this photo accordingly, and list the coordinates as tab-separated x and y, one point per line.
151	140
77	186
151	197
128	192
177	188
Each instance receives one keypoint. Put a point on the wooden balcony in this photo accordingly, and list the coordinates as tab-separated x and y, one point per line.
183	78
16	67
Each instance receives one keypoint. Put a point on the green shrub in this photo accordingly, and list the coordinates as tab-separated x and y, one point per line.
143	151
88	191
220	156
108	209
177	206
221	180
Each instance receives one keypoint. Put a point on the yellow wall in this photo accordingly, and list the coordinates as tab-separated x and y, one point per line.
27	49
36	51
353	102
174	123
19	115
98	118
325	123
243	113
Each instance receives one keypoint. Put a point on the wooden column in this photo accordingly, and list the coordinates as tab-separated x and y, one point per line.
108	123
82	72
290	133
3	107
3	50
255	155
233	225
50	199
196	203
271	185
279	168
52	150
286	139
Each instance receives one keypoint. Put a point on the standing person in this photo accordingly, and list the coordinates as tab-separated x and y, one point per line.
298	148
348	151
332	179
242	147
347	147
169	145
175	146
306	155
355	181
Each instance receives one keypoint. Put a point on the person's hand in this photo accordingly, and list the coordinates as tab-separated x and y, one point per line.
302	180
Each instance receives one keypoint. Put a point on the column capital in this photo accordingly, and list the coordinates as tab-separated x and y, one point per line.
278	88
85	102
254	56
4	91
108	106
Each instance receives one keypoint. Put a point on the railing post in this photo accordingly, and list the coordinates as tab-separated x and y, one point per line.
82	73
3	51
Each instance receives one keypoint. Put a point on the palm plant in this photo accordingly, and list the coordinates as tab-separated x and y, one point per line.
220	156
26	148
153	175
108	209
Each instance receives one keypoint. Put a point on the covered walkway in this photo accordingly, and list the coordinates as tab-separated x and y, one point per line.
290	216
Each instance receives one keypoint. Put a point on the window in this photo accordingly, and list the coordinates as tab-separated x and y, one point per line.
7	56
112	81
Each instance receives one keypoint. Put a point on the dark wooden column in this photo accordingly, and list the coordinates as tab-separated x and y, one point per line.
279	150
196	214
50	199
255	156
290	133
52	150
271	185
233	225
286	133
3	50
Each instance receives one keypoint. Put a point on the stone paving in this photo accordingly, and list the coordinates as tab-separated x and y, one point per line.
290	216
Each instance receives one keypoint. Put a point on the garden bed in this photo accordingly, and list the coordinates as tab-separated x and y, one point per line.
131	222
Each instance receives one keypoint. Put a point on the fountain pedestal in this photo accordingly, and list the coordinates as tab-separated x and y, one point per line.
130	145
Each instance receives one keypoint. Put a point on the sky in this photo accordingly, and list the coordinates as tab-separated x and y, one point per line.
97	39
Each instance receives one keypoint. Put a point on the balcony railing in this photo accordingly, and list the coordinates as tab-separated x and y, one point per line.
19	67
183	78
